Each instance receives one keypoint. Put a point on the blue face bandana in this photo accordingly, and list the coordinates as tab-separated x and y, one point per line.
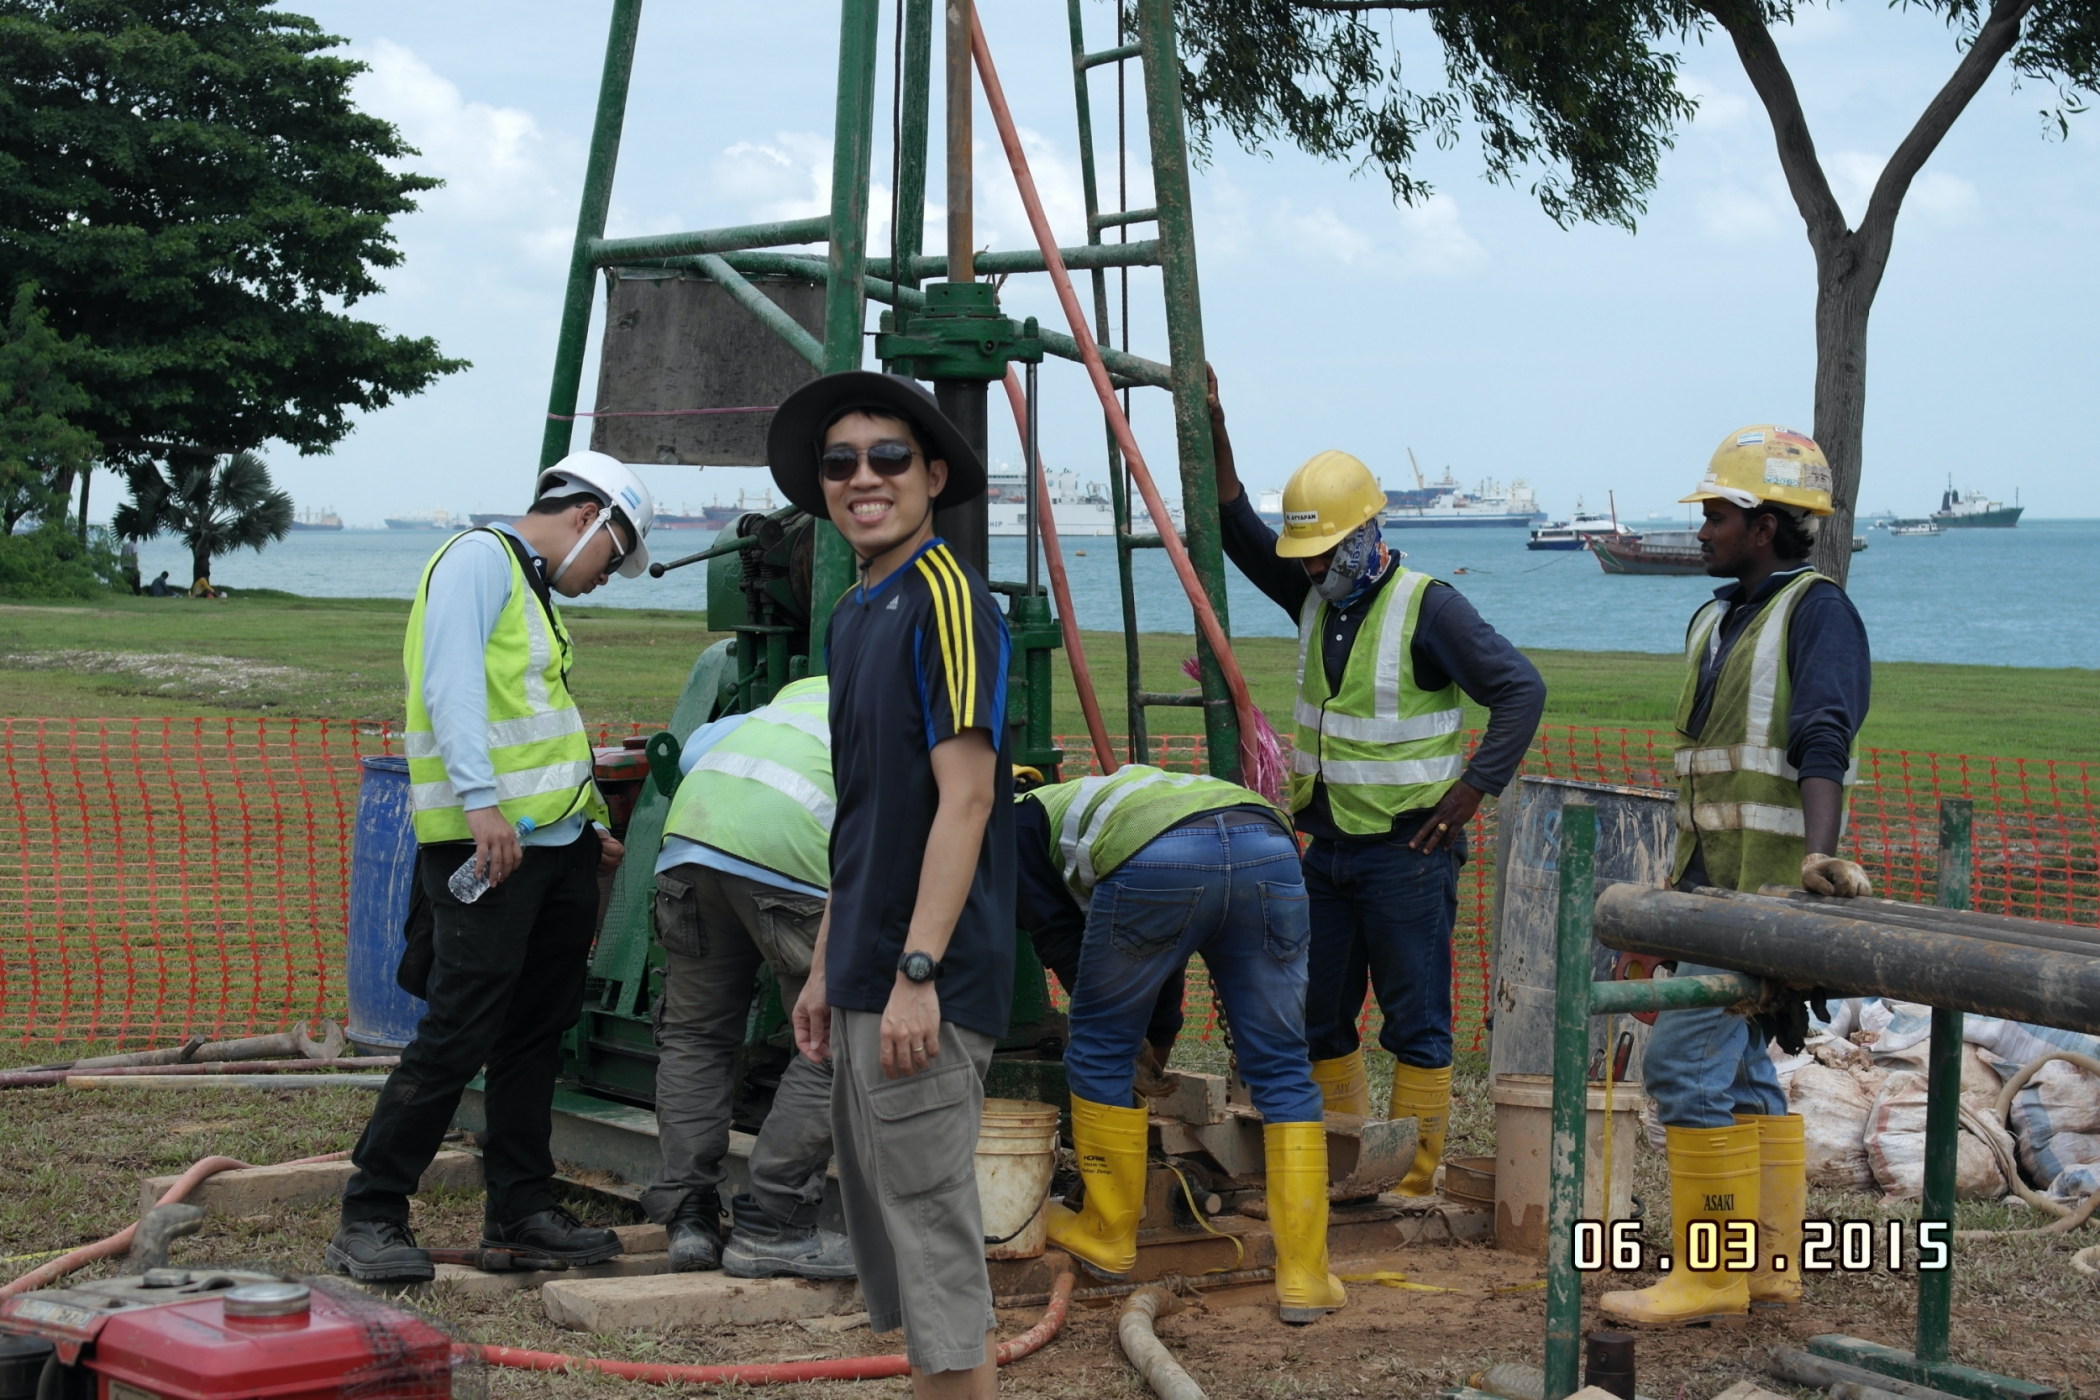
1359	561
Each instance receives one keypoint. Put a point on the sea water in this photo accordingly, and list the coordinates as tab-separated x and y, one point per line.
1967	596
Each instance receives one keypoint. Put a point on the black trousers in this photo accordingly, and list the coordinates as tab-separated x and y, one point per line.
505	983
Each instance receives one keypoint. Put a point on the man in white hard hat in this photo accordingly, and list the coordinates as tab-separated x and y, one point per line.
1777	682
1380	779
499	769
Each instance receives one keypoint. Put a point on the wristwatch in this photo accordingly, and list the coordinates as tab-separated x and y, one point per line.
918	966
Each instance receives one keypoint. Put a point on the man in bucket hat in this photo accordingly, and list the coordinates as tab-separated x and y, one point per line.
912	979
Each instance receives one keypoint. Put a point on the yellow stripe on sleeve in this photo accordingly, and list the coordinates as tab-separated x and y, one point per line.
936	585
966	638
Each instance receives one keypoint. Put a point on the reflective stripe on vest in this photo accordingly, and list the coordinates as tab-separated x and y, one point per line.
1093	831
1382	746
764	794
538	750
1737	792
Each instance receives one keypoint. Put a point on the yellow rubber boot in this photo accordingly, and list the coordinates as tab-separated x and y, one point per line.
1110	1145
1714	1177
1297	1180
1782	1199
1425	1096
1344	1087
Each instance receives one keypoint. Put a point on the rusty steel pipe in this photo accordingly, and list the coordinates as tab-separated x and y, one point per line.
1782	941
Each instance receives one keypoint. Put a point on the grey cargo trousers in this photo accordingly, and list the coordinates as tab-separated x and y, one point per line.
716	929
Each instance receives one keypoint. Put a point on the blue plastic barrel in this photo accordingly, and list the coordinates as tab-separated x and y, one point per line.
382	863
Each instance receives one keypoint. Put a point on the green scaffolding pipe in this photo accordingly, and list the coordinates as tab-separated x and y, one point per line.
1116	55
1571	1042
555	435
786	233
1943	1095
911	142
1135	369
1122	216
1140	743
763	307
845	298
1086	257
1673	993
1199	483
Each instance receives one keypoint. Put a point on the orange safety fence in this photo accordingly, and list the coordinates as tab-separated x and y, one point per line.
2035	846
169	877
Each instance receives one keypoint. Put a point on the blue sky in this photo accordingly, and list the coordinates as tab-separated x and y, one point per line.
1470	329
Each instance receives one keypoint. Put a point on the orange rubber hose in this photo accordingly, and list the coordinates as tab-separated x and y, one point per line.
1054	264
850	1368
1067	619
121	1241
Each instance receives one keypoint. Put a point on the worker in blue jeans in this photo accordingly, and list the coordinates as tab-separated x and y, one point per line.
1170	865
1380	779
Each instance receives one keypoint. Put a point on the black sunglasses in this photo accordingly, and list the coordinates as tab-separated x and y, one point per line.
840	462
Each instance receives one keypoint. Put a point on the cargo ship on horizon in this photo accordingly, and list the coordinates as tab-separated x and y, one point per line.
323	519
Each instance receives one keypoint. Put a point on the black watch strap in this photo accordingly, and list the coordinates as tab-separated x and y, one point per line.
918	966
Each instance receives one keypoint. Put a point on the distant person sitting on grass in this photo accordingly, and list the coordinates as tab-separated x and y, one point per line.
202	589
160	588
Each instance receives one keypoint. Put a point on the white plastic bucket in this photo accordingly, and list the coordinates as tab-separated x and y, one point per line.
1016	1153
1524	1148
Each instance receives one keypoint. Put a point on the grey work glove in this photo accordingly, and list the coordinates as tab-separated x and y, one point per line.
1830	875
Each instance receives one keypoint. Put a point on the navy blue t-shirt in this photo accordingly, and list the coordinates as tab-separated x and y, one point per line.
916	660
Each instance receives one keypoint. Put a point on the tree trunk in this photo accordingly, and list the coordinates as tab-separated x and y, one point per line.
1844	297
200	563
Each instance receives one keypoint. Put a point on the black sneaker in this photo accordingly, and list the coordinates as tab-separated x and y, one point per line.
379	1251
555	1233
762	1247
696	1239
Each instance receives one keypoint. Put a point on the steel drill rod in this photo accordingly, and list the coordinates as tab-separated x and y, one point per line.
47	1078
1802	947
1964	921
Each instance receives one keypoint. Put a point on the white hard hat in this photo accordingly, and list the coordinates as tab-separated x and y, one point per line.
616	487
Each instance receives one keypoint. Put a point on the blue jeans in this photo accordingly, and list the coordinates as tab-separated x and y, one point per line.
1230	889
1704	1066
1381	917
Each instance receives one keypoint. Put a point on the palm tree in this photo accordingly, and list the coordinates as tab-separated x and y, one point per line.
216	509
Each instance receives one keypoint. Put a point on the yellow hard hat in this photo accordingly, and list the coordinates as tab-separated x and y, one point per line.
1323	501
1766	463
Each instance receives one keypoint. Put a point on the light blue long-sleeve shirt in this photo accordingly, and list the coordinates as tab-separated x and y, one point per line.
468	591
679	851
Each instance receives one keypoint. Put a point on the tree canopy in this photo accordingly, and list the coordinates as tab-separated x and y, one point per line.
215	509
199	201
41	449
1582	94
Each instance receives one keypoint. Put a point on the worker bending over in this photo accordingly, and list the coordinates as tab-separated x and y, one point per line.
1776	685
499	771
912	982
1379	778
746	861
1170	865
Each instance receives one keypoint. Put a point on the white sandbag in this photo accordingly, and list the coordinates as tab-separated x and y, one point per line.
1895	1143
1833	1106
2057	1120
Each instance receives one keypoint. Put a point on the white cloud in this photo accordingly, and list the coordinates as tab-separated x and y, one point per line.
1937	195
1719	108
788	177
1733	214
1433	241
498	165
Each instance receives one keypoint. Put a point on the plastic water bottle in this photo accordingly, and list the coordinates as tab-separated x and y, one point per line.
467	884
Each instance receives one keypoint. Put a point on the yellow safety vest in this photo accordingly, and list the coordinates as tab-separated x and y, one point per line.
1098	823
765	793
537	744
1738	799
1381	746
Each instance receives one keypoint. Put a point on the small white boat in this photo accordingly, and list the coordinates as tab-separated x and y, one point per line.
1903	529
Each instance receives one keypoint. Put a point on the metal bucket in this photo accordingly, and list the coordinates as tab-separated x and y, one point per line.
382	863
1016	1154
1636	842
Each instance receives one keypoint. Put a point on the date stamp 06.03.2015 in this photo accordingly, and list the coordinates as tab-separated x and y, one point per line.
1827	1246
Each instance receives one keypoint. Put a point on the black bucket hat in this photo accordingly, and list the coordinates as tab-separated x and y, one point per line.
796	437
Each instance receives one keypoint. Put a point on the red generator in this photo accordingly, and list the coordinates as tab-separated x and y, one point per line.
215	1334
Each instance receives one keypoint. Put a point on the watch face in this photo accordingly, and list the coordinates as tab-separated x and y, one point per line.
918	966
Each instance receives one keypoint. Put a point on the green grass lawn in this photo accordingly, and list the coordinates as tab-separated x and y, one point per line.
277	653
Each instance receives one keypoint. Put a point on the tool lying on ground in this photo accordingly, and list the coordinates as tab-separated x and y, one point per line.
52	1078
199	1050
